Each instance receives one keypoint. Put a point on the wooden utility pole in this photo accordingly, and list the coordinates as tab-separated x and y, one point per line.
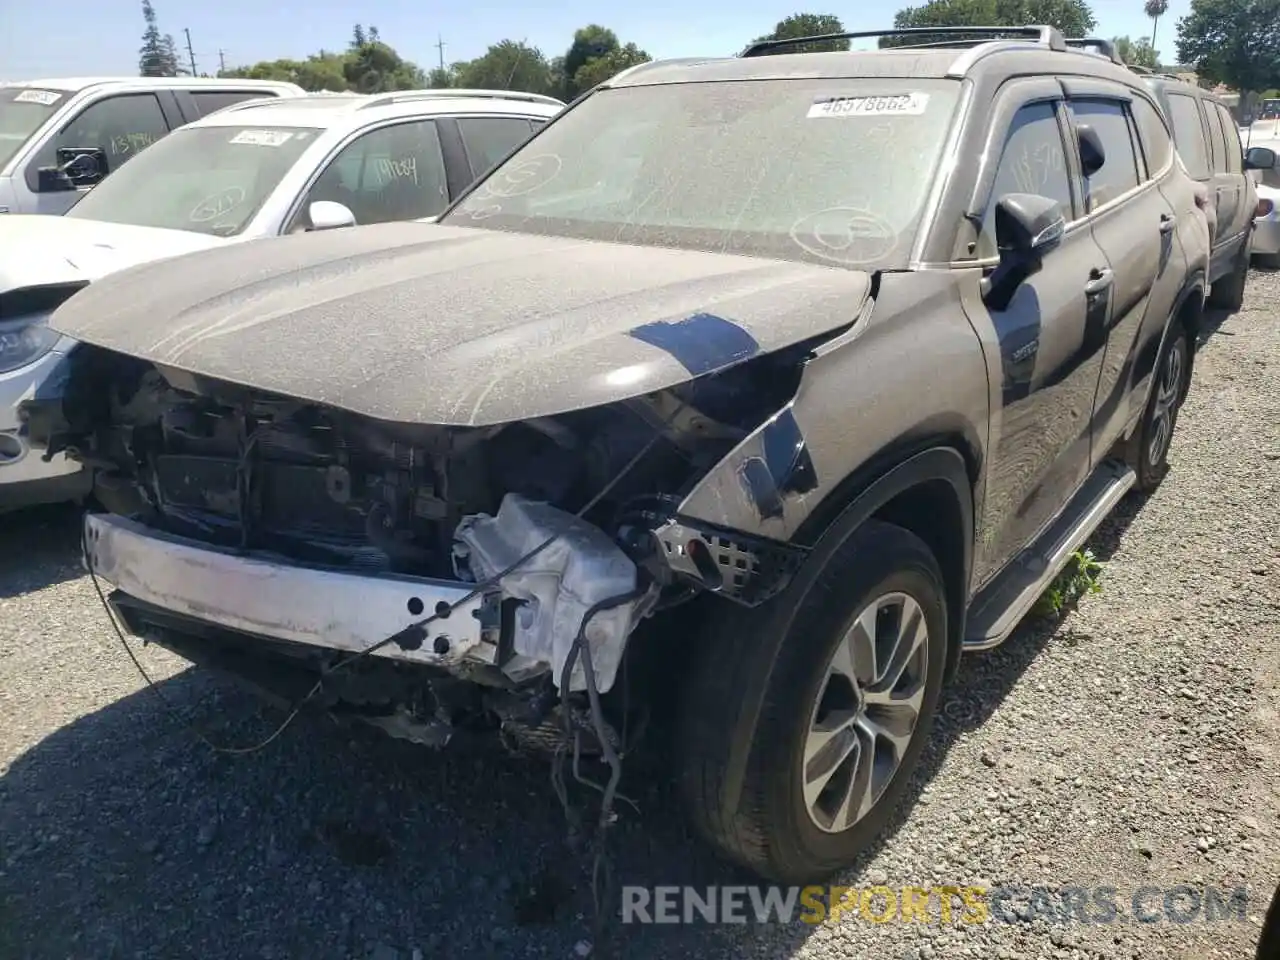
222	62
190	53
440	46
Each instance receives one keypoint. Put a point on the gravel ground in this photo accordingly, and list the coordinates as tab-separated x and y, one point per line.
1133	744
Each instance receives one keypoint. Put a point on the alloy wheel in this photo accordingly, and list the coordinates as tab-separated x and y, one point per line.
1168	393
867	710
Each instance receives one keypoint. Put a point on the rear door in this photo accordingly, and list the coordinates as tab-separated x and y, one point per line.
1247	198
1040	435
1226	191
1133	223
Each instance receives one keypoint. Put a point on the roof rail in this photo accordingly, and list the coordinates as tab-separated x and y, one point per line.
1104	47
407	96
1049	36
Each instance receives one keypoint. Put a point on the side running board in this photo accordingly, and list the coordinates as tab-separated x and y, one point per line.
996	612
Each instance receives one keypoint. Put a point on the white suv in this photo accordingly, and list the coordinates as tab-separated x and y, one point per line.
252	170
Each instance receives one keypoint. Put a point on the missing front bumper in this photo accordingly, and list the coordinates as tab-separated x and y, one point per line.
267	597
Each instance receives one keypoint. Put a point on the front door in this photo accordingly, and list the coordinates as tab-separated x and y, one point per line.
1049	361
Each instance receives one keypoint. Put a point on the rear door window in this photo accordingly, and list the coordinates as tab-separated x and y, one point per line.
1231	134
489	139
209	101
1119	173
1217	145
1189	136
1156	144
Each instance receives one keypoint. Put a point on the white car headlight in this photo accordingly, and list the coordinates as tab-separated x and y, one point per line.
25	341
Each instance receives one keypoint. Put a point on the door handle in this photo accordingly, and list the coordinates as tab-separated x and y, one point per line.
1167	222
1099	280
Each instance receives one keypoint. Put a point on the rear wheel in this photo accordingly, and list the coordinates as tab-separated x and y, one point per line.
1149	449
852	668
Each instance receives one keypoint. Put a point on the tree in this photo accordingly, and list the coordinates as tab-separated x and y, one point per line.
1073	17
808	25
599	69
1235	42
589	43
1139	54
508	65
372	66
158	56
441	78
1155	9
367	66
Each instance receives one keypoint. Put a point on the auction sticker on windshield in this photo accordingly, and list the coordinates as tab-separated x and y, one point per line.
46	98
263	138
898	104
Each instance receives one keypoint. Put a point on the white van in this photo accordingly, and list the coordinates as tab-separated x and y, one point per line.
56	136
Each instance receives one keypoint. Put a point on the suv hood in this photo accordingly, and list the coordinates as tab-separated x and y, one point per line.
413	322
36	250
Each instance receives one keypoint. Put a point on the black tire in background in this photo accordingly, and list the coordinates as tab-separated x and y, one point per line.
786	647
1227	293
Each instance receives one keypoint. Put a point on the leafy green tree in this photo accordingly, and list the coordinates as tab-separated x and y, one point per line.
441	78
599	69
372	66
509	65
1073	17
158	56
808	25
1235	42
589	43
1139	54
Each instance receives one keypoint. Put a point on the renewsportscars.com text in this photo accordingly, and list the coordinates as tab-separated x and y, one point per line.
936	904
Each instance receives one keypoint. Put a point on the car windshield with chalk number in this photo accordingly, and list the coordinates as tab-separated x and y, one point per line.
203	179
699	166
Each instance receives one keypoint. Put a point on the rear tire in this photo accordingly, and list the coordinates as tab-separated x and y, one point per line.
1149	448
1228	292
876	608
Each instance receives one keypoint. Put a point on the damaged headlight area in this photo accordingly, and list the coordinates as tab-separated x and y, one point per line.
271	536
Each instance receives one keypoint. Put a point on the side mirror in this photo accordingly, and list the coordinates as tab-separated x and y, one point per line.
1027	226
75	167
1260	158
1092	154
329	215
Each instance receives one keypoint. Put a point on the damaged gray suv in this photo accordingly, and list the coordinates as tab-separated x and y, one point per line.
763	387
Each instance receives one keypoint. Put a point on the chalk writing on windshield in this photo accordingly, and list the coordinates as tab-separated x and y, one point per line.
847	235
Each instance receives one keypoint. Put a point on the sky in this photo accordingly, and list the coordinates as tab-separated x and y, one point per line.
102	37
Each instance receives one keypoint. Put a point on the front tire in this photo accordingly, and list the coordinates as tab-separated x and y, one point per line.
853	660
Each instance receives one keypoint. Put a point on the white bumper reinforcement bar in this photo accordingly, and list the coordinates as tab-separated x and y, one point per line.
260	595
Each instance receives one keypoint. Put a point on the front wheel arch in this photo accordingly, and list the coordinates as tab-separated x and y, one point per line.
937	472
